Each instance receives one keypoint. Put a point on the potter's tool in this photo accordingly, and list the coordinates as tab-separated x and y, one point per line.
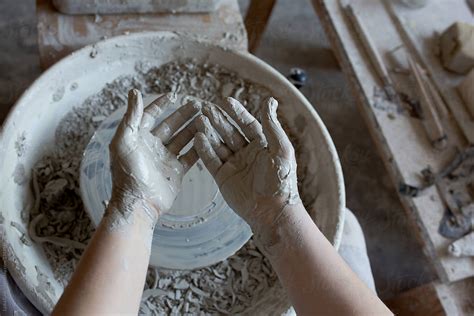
431	178
437	99
200	228
373	54
457	220
454	223
429	117
464	155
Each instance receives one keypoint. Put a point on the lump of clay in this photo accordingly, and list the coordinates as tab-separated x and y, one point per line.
466	90
463	247
457	47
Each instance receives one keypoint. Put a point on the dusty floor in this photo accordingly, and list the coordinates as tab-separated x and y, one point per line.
294	38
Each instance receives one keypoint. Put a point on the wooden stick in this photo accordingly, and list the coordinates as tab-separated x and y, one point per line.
256	20
438	100
369	46
433	91
430	119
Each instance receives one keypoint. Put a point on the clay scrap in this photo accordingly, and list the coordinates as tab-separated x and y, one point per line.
457	47
463	247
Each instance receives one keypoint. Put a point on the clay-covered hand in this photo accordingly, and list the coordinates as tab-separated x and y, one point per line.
256	169
147	168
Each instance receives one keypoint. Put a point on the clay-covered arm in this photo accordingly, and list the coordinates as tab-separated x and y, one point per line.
147	175
255	168
111	274
317	279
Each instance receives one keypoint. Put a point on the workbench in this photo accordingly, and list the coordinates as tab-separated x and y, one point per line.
60	34
399	135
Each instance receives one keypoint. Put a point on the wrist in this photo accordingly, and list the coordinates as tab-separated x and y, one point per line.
126	209
269	212
271	217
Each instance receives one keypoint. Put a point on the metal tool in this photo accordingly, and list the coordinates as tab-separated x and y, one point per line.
431	177
455	223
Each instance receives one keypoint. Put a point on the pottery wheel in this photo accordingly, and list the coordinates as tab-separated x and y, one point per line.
199	230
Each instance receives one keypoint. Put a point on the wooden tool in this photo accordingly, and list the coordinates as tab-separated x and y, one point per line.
374	56
429	117
436	97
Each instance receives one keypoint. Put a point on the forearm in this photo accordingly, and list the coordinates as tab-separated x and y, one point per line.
315	276
111	273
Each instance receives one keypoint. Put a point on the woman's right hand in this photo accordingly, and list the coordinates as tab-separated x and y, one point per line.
255	168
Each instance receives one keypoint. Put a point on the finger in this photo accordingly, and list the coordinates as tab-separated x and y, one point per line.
156	108
134	112
207	154
166	129
188	159
231	136
247	123
278	141
182	138
204	126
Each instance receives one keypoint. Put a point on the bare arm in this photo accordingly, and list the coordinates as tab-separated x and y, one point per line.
316	278
256	174
112	271
147	176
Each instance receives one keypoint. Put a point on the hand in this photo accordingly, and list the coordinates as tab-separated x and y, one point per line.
146	169
256	170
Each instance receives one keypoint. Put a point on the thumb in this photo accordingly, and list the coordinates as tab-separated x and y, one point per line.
278	141
133	116
129	125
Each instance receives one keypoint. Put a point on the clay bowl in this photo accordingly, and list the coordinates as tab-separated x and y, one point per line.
39	110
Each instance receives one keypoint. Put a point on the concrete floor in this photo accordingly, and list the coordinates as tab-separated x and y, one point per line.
294	38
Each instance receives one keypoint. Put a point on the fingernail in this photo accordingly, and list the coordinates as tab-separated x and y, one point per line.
273	103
